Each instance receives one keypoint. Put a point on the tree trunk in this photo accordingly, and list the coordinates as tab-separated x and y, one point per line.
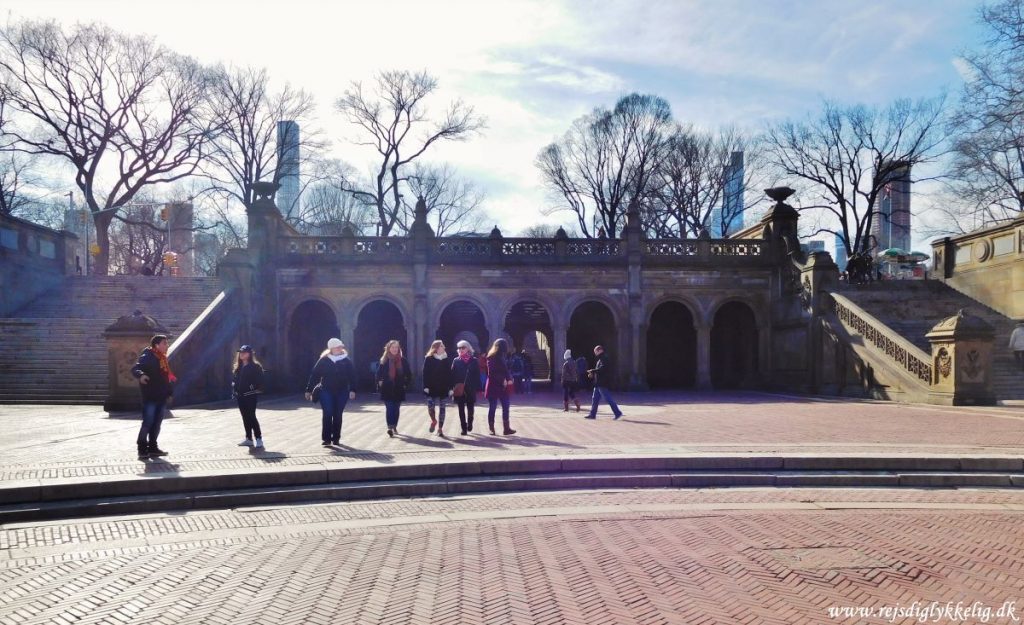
101	263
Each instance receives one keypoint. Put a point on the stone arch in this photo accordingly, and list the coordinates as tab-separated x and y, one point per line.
378	320
671	345
528	323
593	322
462	318
734	345
310	323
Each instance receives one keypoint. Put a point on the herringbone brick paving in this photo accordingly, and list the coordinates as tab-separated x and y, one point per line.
710	566
54	442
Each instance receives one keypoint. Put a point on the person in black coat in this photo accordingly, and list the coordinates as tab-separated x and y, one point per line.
393	378
437	384
465	371
246	386
156	381
601	376
336	375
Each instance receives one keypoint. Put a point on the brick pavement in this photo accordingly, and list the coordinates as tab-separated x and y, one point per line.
664	556
54	442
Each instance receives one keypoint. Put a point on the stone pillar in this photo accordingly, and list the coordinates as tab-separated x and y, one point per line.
633	359
703	357
126	338
266	227
961	361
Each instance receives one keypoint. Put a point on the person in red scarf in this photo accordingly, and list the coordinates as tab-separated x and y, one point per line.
156	381
466	379
393	378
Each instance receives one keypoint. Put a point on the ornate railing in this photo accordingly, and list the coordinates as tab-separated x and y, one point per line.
903	353
469	248
671	248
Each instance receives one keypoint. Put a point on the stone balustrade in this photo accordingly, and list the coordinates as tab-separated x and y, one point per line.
901	352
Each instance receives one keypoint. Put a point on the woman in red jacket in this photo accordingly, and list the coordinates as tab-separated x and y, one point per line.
498	381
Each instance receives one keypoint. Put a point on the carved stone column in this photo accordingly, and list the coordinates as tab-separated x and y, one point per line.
126	338
961	361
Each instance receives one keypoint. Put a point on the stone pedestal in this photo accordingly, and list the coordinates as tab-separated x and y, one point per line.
961	361
126	338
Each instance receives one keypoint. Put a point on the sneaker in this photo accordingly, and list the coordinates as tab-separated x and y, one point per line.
391	433
590	416
156	451
246	443
336	441
617	417
143	454
259	443
508	431
326	443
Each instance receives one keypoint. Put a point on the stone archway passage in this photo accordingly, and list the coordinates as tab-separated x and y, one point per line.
529	325
591	324
379	322
734	347
463	320
313	322
671	347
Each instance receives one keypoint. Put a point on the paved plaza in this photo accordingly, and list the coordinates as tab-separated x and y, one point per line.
53	442
667	555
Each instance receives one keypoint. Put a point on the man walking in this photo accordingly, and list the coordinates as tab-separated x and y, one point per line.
600	375
156	381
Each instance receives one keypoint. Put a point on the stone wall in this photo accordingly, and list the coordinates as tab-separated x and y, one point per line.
33	259
987	265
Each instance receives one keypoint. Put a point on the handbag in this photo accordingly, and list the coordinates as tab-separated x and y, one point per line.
316	392
459	390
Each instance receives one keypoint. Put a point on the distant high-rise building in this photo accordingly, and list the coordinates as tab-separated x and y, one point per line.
810	247
288	167
731	209
890	225
840	253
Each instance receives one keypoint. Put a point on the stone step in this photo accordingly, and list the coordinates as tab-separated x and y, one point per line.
116	495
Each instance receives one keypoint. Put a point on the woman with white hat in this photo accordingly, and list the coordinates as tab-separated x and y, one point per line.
335	375
570	381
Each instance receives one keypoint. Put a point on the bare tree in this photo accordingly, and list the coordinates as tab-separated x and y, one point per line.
394	121
454	204
988	124
328	205
849	155
250	145
121	110
607	159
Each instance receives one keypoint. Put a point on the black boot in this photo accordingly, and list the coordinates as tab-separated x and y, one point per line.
507	427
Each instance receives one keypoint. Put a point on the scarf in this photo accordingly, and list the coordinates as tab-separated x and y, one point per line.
440	357
165	365
465	357
394	366
337	358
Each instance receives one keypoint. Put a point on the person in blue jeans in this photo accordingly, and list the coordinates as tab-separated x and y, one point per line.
600	375
393	378
156	381
336	375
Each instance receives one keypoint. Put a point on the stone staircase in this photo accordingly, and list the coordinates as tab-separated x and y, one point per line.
913	307
53	351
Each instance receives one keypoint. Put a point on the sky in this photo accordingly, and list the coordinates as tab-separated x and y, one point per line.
532	67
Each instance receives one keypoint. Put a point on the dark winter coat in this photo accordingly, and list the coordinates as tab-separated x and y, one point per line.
570	376
247	380
394	390
335	377
602	371
437	376
467	373
497	378
159	387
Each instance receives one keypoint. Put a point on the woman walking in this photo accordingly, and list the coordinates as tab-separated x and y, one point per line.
466	381
246	386
498	381
393	377
437	384
570	381
335	374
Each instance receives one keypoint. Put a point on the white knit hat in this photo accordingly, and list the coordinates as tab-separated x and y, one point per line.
331	344
567	355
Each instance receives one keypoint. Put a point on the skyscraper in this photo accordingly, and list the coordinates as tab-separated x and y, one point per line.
731	210
288	158
890	224
840	253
